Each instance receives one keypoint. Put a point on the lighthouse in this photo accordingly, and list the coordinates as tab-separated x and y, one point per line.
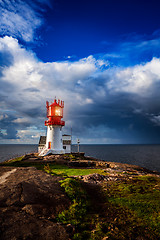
54	144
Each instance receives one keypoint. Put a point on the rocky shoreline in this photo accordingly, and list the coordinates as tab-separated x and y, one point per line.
30	199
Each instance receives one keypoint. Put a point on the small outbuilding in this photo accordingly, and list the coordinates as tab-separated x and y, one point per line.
42	143
66	139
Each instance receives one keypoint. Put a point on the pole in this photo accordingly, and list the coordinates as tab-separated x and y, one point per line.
71	138
78	142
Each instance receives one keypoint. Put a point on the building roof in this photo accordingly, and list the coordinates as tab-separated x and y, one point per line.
42	140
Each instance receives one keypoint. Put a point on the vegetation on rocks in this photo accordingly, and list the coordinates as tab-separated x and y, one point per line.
139	196
78	208
114	202
64	170
15	160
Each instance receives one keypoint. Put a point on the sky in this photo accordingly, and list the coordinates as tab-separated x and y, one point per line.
101	57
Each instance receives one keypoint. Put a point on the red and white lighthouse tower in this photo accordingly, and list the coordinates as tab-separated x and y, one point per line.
54	125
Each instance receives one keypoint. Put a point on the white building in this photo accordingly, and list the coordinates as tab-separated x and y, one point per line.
66	143
66	140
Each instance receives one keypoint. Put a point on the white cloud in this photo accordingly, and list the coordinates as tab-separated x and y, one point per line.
28	135
33	82
28	82
156	120
22	120
3	116
20	19
26	72
137	79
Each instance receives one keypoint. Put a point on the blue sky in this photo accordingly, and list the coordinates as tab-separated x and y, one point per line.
101	57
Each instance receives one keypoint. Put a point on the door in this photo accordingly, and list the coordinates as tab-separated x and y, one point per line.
49	145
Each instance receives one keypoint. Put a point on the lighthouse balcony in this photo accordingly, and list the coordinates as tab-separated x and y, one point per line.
54	122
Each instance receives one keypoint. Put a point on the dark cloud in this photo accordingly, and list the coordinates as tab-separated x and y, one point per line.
117	105
34	112
11	132
6	60
31	89
8	127
117	114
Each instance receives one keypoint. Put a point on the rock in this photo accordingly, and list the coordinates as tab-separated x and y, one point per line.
30	199
98	178
70	229
107	165
94	178
82	163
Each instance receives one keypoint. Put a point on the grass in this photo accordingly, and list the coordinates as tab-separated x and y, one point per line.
64	170
14	160
141	199
130	211
79	200
131	208
55	169
17	162
77	212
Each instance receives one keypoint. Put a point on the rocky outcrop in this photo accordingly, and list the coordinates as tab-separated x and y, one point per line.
97	178
29	202
31	199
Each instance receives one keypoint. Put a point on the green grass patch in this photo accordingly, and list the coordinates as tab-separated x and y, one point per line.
55	169
72	156
18	159
131	208
64	170
142	197
17	162
77	212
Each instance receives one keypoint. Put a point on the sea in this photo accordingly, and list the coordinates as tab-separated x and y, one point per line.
147	156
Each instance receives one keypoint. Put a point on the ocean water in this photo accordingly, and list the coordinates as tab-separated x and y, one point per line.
8	151
147	156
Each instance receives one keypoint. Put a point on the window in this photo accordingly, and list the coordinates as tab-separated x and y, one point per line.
64	147
49	145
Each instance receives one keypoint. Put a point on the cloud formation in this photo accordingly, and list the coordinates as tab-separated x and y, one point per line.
20	19
133	49
102	104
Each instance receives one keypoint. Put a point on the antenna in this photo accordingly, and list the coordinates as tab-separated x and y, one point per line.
78	142
71	138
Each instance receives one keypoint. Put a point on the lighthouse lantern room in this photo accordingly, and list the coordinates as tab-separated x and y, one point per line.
54	125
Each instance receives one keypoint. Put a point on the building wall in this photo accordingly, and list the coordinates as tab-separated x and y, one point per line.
66	144
40	148
66	137
67	148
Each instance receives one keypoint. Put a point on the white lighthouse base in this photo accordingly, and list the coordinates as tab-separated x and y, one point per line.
51	151
47	151
54	141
